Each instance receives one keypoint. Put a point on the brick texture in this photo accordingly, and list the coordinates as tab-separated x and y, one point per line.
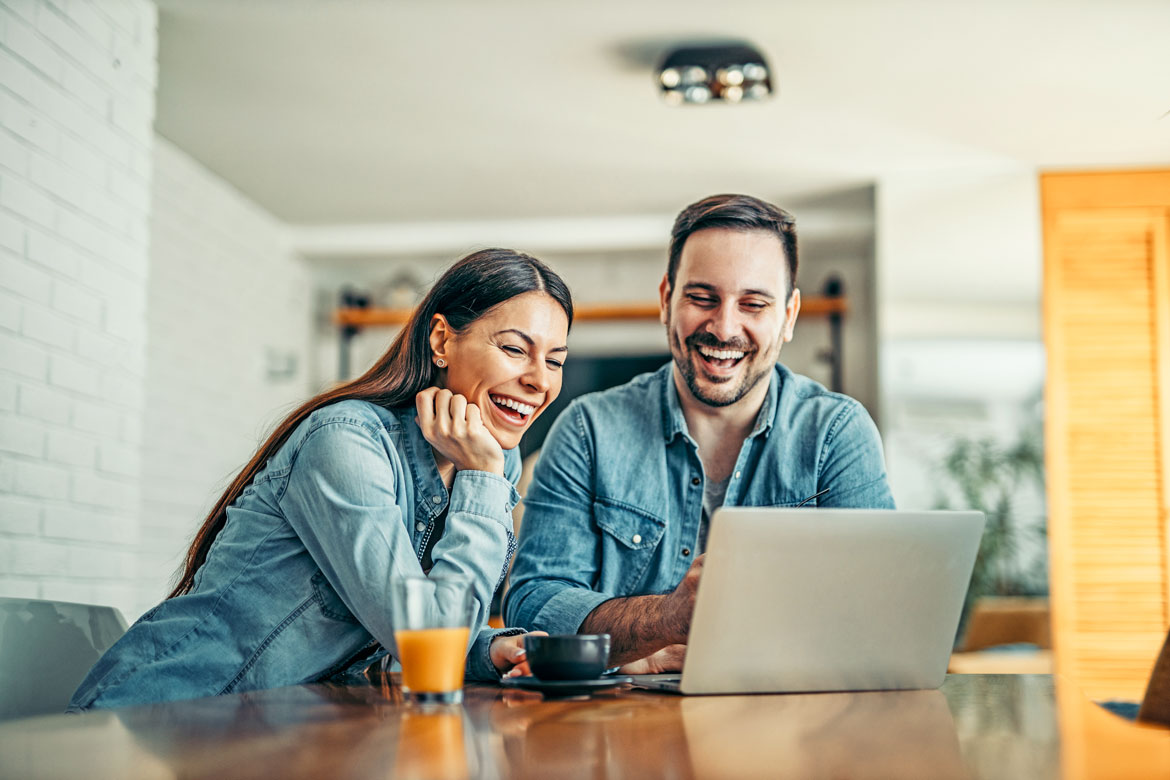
70	255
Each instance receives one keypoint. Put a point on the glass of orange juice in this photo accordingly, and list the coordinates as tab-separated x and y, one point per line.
432	625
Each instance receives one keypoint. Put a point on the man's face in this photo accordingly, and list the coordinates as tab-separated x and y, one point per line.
725	316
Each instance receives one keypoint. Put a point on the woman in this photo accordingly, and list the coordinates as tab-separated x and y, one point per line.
407	470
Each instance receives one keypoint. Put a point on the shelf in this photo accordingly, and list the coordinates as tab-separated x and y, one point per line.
586	312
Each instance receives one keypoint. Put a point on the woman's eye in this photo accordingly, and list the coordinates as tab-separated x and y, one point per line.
511	350
555	365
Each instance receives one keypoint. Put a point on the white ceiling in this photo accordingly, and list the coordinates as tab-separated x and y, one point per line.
347	112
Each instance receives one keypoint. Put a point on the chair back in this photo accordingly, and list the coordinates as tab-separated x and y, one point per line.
46	649
1156	703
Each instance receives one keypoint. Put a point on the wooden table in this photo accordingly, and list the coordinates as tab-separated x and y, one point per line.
995	726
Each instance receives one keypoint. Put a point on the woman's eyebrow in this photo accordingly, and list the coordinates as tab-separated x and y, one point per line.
528	339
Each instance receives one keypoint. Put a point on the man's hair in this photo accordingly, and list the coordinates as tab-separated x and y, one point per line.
734	212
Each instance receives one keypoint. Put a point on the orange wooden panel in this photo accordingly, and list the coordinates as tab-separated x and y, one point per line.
1106	315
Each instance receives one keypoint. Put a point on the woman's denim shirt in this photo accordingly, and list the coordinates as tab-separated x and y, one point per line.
295	586
616	498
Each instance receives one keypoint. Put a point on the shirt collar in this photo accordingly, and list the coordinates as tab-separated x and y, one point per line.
673	422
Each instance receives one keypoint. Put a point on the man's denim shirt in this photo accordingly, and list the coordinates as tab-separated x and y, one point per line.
295	587
616	498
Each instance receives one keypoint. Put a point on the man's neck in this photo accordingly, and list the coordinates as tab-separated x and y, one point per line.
719	431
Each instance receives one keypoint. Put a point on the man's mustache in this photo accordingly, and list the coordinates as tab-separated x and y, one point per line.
709	341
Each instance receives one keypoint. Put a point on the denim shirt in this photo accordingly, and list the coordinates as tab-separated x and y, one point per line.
295	586
617	495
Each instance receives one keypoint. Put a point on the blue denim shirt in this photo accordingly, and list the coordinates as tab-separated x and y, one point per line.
294	588
616	498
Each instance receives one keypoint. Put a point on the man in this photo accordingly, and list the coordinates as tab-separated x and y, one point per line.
616	517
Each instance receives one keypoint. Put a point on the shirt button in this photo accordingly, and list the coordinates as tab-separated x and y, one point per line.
637	538
695	481
737	475
420	526
436	500
686	551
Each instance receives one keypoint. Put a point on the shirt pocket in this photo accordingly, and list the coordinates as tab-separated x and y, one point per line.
630	537
331	604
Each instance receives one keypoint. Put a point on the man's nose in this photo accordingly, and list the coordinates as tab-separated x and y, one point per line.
724	324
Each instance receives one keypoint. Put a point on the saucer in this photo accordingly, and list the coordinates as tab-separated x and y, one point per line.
559	689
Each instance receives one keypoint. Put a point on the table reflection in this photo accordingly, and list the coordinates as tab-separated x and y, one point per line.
975	726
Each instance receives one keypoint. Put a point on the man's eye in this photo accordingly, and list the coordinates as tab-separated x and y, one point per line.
702	300
753	305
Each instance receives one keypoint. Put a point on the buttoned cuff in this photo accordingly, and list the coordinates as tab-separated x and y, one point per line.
483	493
479	660
566	611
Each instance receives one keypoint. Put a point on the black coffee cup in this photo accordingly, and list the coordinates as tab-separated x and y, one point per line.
567	656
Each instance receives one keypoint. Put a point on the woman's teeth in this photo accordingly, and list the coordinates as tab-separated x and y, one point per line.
516	406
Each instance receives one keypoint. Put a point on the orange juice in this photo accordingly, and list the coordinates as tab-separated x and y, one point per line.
432	658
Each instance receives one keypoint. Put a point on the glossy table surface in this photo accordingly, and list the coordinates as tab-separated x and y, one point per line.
995	726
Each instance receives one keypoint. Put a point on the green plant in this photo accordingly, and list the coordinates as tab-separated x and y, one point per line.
988	475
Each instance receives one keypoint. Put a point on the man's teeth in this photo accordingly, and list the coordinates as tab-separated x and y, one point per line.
721	354
524	409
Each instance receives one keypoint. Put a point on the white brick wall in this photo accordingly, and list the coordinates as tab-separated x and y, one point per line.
77	83
224	289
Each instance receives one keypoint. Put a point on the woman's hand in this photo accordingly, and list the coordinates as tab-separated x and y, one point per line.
455	429
507	653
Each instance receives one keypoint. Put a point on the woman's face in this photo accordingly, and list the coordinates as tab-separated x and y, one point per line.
508	362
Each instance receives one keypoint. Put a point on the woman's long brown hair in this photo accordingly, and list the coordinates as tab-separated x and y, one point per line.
463	294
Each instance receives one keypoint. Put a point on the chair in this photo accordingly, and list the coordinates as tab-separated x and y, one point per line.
1156	703
996	625
46	649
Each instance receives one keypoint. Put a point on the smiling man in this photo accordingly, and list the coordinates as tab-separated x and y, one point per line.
615	520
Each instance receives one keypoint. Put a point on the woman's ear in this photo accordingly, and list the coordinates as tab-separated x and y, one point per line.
440	338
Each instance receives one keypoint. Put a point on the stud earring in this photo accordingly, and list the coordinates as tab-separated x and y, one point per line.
440	362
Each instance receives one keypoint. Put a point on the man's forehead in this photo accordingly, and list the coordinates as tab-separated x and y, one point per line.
733	260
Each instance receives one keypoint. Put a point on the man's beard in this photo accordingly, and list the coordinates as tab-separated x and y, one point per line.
687	361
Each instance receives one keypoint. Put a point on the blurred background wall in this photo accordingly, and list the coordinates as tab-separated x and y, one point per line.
187	188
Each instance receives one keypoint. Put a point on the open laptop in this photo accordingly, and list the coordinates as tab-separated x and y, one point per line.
826	600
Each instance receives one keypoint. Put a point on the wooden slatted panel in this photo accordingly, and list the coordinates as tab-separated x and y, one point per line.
1105	319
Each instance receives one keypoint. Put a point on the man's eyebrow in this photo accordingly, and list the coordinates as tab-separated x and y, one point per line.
528	339
713	289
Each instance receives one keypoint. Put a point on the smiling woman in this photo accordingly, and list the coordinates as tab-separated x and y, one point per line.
408	470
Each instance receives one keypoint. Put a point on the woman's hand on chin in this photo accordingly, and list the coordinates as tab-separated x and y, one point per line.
455	429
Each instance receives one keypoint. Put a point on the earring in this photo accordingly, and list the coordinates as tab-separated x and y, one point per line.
440	362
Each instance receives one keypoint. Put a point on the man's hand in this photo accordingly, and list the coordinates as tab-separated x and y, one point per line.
455	429
508	654
668	659
640	626
680	604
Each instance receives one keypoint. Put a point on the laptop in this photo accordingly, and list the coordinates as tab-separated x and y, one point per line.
800	600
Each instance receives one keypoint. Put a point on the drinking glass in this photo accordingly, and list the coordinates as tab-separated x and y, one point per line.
432	624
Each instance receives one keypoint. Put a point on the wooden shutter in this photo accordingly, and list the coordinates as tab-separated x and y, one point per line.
1107	330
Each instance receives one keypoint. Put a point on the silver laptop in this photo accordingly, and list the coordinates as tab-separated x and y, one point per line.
826	600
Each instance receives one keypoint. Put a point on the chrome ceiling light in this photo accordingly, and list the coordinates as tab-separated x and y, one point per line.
700	73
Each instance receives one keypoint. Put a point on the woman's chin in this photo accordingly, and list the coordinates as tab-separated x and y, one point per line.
508	439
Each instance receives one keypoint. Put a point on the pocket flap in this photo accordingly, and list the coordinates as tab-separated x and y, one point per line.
630	527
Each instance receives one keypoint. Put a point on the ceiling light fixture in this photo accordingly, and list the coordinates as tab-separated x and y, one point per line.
701	73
